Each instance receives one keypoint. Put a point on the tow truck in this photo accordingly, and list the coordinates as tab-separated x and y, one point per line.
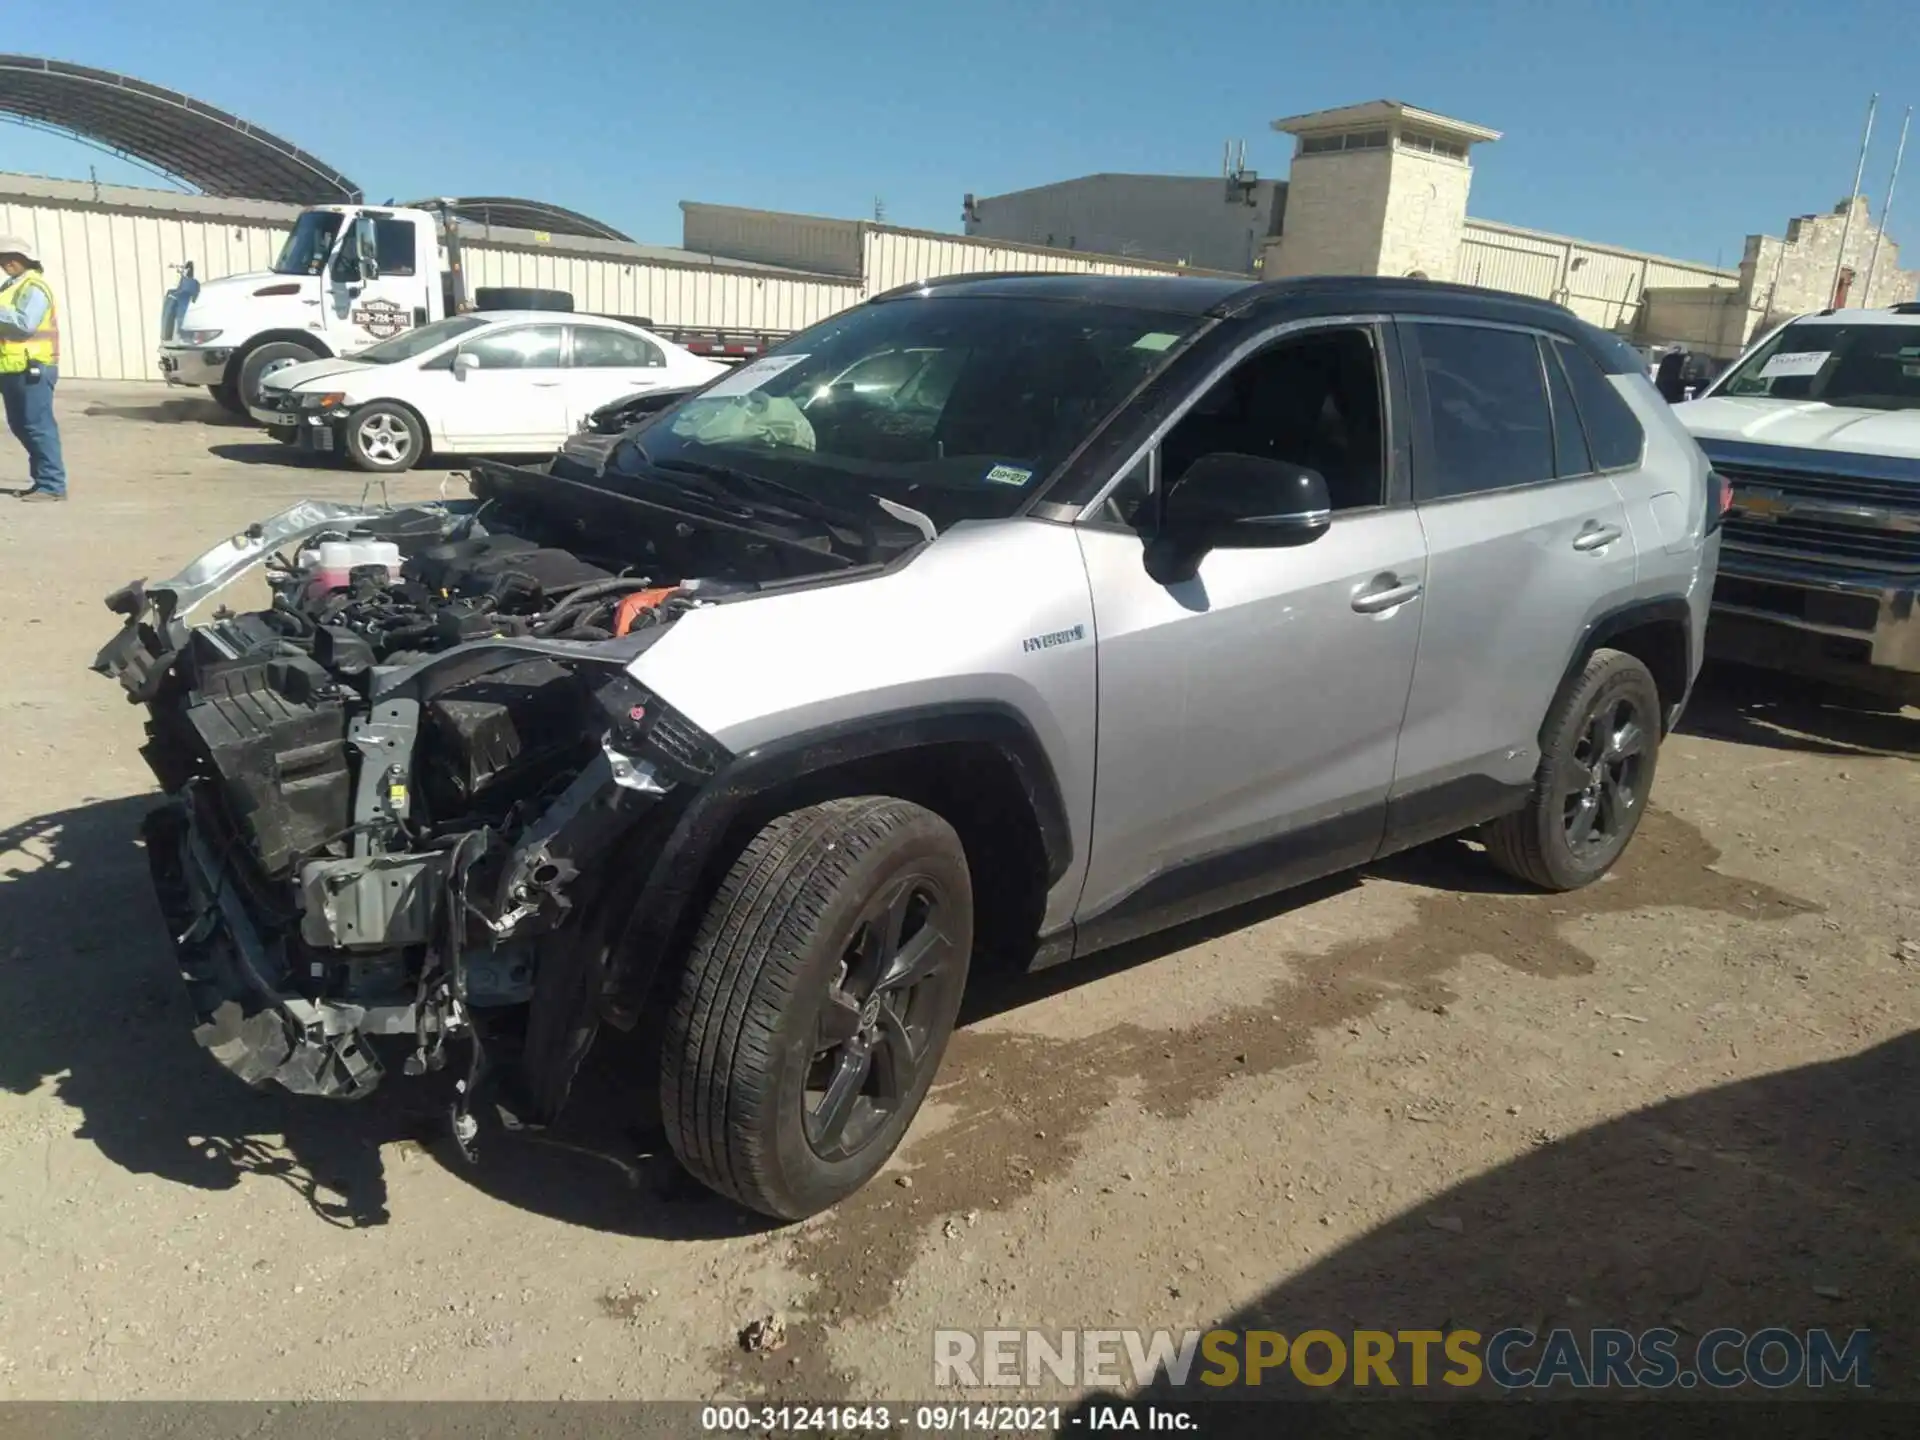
347	277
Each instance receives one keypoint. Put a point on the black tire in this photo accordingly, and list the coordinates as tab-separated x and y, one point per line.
785	964
227	397
262	361
385	438
1594	778
520	297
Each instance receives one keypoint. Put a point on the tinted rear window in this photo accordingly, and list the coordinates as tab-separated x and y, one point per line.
1487	403
1613	432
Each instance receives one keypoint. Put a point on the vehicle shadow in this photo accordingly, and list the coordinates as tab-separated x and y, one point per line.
1779	712
198	409
1787	1200
91	1005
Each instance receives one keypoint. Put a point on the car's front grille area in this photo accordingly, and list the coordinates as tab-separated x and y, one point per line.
1797	519
1836	489
1856	546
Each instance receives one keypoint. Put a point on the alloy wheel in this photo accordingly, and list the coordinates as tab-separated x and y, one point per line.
384	439
1600	780
873	1037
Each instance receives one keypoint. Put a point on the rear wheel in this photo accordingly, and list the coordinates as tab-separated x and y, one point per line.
385	438
817	1002
1597	758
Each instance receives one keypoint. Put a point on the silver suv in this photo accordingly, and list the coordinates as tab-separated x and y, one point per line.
1121	601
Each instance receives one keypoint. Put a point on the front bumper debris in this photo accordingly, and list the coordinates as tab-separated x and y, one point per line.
244	1016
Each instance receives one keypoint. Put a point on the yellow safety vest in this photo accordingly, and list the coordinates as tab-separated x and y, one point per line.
44	344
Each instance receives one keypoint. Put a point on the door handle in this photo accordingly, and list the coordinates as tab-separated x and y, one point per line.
1387	592
545	384
1594	536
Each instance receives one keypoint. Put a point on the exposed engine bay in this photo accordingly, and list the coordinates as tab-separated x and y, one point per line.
391	790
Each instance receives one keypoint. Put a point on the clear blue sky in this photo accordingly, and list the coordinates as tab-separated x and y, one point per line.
1678	127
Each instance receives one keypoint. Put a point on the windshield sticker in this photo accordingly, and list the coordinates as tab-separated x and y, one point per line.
1155	340
749	378
1794	362
1008	475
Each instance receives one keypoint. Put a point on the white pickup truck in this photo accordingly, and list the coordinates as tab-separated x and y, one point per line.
350	276
1817	428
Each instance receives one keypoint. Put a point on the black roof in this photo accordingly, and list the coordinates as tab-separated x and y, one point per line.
1306	296
216	153
1171	294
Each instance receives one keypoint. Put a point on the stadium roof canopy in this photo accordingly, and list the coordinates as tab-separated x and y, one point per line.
216	153
517	214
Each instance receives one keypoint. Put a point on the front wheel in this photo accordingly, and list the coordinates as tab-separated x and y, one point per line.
385	438
817	1002
1597	756
265	360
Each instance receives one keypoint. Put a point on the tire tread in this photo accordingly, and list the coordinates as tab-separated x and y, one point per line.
742	974
1516	843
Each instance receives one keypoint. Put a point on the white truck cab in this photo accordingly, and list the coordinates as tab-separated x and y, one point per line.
347	277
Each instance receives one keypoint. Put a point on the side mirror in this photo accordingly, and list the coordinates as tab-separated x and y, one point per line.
364	246
464	362
1235	502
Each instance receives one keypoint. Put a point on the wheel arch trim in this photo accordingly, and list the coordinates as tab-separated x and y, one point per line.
1635	615
674	878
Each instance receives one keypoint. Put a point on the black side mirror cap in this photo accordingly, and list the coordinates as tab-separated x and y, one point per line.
1233	502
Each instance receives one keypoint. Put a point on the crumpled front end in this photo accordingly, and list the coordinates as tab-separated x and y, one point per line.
393	796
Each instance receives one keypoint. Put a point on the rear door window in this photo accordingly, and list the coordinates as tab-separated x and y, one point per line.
1570	454
1613	430
1490	427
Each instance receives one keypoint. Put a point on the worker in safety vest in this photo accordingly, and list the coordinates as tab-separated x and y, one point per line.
30	365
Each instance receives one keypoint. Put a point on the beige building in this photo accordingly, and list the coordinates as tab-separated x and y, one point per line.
1376	189
1383	188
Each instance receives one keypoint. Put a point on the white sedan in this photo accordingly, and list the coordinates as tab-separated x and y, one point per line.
500	382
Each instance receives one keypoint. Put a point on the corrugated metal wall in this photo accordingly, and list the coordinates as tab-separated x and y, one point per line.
111	267
884	256
1599	283
664	294
899	257
772	237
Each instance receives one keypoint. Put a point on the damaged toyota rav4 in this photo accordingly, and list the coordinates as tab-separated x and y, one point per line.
1003	617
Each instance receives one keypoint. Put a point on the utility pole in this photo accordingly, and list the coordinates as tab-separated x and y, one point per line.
1886	209
1853	202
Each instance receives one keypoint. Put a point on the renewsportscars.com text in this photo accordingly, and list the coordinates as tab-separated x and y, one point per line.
1510	1359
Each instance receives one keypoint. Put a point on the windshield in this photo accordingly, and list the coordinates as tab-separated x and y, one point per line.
1867	367
418	341
311	242
957	406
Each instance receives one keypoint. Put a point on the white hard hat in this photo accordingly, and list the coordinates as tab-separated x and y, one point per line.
18	245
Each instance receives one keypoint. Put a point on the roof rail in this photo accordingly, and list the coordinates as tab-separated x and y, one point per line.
1908	307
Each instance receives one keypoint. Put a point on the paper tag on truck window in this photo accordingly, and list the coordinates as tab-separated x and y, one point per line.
1794	362
1155	340
749	378
1008	475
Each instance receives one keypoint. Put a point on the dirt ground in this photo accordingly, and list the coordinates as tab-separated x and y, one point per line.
1409	1098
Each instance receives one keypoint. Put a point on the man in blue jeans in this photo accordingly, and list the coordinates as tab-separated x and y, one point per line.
30	365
